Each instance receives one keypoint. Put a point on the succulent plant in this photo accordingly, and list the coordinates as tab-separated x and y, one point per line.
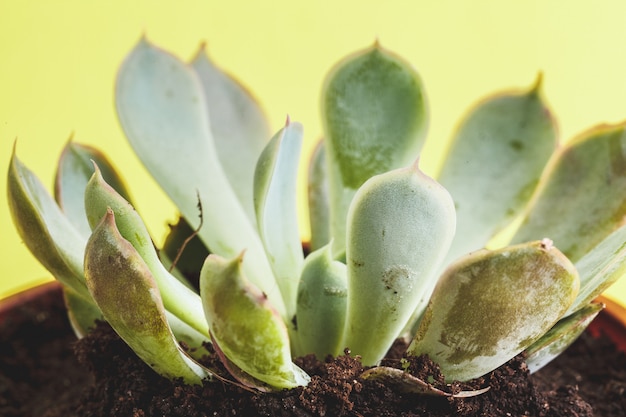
393	252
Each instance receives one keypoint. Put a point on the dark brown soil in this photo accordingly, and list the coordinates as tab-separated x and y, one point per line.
40	376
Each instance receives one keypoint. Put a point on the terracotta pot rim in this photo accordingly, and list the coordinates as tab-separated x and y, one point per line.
612	323
27	295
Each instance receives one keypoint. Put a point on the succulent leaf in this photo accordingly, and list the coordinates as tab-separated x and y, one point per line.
101	198
238	126
43	227
322	303
600	268
494	164
400	226
162	109
74	169
560	337
582	198
491	305
82	313
375	117
124	289
275	184
244	325
318	198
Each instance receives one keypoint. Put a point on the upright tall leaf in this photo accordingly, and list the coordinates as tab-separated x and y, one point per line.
494	163
238	126
161	106
374	114
582	198
43	227
318	198
275	183
400	226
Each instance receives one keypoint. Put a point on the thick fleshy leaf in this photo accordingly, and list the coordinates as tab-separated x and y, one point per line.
400	226
560	337
244	325
491	305
123	287
43	227
375	117
318	198
100	198
82	313
494	164
582	198
74	169
405	382
275	184
600	268
161	106
238	126
322	303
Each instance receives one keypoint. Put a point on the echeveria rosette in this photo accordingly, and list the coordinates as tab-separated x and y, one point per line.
382	230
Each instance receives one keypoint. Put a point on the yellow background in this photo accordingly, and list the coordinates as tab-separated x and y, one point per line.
58	61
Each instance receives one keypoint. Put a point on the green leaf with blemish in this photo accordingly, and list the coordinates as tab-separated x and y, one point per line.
124	289
275	186
560	337
322	303
400	226
43	227
244	325
162	109
74	169
100	198
582	197
238	126
318	198
494	163
491	305
375	115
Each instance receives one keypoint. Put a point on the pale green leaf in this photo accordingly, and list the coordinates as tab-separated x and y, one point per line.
43	227
491	305
74	169
162	109
400	226
322	303
582	198
318	198
601	267
494	164
560	337
124	289
375	117
238	126
275	186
